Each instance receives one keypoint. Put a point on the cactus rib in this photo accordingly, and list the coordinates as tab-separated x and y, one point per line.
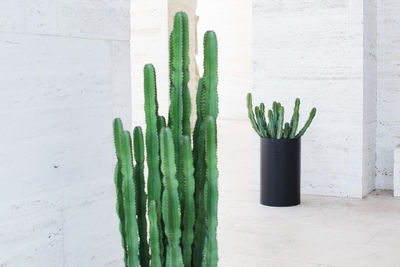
212	192
170	200
140	196
129	198
118	132
188	213
154	235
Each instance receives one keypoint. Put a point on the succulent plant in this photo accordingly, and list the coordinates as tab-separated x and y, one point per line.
276	128
182	182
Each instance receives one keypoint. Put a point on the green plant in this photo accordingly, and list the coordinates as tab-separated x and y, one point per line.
276	127
182	183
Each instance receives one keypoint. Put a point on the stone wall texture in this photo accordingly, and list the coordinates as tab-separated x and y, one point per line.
314	50
65	67
388	93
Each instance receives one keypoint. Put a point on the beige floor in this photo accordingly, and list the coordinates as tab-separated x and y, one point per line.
322	231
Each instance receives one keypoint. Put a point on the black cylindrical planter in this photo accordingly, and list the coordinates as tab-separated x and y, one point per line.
280	172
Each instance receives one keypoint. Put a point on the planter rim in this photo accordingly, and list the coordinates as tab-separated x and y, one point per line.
282	140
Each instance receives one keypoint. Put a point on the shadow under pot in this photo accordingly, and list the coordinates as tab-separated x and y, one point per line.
280	172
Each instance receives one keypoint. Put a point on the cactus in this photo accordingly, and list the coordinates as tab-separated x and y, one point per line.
210	76
154	235
256	127
179	178
294	123
212	192
308	122
188	212
280	122
140	196
170	201
286	130
129	199
199	174
118	131
152	141
271	124
276	127
179	92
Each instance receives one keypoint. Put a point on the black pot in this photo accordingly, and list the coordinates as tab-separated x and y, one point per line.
280	172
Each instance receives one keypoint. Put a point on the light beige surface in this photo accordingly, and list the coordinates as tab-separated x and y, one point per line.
322	231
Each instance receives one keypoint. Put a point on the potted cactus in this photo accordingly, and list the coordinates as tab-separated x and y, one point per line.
180	205
280	152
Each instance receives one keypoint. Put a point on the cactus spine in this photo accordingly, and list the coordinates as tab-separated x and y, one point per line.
276	127
179	178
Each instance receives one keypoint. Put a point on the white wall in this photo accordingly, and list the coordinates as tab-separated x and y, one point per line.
314	50
388	131
64	76
369	95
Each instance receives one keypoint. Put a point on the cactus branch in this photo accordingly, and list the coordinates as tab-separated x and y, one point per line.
304	129
212	192
129	198
170	200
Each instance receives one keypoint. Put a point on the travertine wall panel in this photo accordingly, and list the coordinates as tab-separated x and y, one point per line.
388	92
314	50
65	75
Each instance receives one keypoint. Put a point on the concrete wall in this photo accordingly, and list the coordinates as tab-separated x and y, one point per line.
388	97
396	172
369	95
149	41
314	50
64	76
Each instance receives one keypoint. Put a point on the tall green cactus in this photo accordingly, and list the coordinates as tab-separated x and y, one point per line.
129	199
200	176
154	235
170	201
179	179
179	92
188	212
140	196
210	76
152	140
212	192
118	132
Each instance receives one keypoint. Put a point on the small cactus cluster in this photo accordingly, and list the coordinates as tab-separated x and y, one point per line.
276	128
174	222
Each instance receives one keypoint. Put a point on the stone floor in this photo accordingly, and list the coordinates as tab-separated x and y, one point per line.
322	231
